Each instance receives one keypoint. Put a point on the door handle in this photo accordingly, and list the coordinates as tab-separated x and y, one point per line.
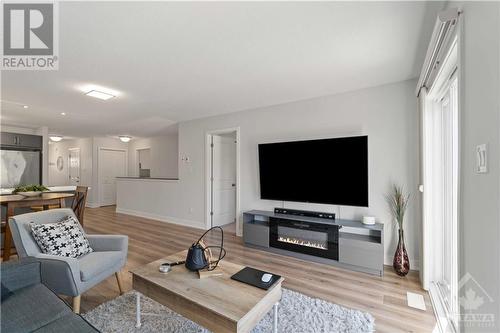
233	185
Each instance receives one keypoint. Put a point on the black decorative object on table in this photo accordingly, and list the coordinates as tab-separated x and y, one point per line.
200	255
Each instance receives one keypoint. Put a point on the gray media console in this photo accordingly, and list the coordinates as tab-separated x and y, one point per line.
344	243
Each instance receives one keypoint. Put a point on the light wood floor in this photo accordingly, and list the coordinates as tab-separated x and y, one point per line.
384	298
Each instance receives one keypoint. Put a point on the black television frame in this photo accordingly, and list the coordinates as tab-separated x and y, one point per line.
365	202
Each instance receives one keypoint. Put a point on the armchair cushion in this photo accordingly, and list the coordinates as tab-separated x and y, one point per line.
63	238
95	263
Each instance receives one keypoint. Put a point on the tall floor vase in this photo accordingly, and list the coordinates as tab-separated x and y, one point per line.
401	263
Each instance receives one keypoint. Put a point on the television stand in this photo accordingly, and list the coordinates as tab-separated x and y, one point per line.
344	243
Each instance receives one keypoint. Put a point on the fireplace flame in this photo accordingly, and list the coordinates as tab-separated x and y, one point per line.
291	240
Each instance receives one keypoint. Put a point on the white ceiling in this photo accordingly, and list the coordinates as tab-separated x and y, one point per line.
179	61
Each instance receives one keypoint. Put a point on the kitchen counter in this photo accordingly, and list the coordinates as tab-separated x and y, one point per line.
145	178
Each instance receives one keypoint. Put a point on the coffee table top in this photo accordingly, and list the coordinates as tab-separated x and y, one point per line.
219	294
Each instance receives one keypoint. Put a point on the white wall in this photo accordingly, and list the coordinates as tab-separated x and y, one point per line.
480	123
387	114
164	155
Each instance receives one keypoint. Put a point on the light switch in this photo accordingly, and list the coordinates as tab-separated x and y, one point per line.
481	158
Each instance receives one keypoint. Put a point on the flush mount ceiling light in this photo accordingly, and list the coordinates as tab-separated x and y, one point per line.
125	138
63	113
55	138
99	94
25	106
98	91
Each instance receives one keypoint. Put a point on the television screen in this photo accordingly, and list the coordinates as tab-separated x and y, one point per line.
327	171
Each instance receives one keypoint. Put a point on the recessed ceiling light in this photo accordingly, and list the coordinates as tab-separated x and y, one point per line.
99	94
124	138
63	113
25	106
55	138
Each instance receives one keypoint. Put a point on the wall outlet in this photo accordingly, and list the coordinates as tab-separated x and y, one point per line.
191	210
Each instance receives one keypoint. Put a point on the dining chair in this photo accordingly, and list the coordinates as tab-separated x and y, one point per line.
79	201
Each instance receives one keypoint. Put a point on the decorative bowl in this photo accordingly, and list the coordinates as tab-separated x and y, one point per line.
30	193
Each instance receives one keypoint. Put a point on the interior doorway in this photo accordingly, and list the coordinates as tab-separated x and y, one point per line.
74	166
223	178
112	163
143	164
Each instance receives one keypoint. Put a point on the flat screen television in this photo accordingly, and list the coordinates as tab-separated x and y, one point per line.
327	171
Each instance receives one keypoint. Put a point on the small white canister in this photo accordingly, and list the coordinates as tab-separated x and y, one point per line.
369	220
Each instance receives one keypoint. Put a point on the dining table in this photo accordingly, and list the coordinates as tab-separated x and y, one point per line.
13	201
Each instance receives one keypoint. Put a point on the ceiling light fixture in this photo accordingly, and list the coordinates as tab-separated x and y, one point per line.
99	94
125	138
63	113
25	106
55	138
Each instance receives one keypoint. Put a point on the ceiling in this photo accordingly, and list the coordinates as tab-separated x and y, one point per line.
178	61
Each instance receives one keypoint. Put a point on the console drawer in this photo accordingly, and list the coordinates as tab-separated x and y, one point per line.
360	253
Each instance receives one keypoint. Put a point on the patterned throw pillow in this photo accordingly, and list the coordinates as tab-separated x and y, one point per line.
61	238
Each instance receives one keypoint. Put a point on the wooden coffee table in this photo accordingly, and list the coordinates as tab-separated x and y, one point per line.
217	303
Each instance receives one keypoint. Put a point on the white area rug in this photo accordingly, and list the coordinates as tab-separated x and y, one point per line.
297	313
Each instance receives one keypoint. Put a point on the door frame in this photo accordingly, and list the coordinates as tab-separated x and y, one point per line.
208	172
99	165
444	319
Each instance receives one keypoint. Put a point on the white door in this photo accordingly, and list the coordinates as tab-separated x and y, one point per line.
223	179
112	164
74	166
144	161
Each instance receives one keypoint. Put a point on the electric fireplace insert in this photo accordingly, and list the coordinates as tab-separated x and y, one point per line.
315	239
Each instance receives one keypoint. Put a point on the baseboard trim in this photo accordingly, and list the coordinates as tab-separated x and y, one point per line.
161	218
92	205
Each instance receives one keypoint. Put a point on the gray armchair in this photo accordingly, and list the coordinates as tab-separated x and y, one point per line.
70	276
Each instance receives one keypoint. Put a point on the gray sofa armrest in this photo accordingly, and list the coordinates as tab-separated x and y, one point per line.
108	242
19	274
60	273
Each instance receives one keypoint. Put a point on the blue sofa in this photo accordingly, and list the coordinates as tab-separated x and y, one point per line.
29	306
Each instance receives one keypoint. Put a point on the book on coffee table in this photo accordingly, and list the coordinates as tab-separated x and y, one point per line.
253	277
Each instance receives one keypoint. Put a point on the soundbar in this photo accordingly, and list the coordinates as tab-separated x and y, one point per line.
307	213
